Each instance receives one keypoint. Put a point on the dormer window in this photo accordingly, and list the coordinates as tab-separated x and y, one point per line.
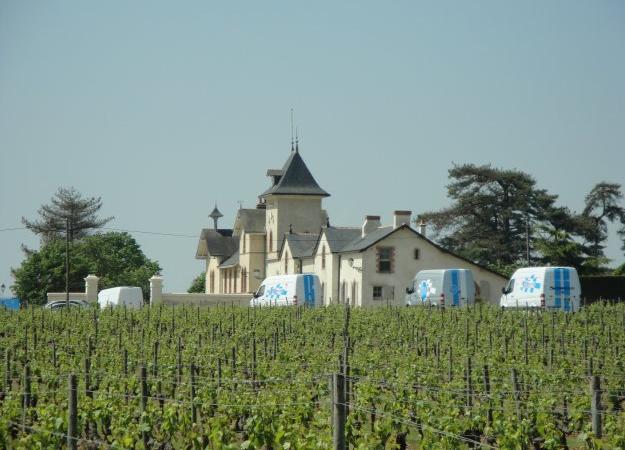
275	175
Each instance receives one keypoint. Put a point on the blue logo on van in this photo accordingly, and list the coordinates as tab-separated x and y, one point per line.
425	289
275	292
530	284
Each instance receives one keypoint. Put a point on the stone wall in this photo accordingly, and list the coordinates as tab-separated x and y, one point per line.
173	299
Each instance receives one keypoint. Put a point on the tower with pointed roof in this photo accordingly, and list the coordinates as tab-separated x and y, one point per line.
215	215
293	202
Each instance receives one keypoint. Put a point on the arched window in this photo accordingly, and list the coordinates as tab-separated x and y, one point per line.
286	262
244	280
343	292
243	238
323	291
323	257
270	249
212	282
353	300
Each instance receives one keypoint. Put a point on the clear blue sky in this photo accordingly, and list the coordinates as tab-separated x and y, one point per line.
164	108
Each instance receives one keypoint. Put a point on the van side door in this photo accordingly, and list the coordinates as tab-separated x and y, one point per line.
562	288
309	290
455	287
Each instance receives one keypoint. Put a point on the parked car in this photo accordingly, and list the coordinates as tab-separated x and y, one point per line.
60	304
286	290
543	287
442	287
130	296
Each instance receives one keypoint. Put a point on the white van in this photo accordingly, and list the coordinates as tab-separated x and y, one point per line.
285	290
442	287
130	296
543	287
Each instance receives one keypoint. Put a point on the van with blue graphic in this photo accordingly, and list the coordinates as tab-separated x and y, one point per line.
287	290
543	287
442	287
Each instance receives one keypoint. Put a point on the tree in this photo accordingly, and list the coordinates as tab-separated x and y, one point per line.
67	204
559	241
602	206
115	257
198	285
492	214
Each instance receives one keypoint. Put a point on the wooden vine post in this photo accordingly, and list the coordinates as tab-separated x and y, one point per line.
595	405
517	392
144	401
26	396
193	405
338	411
72	413
489	412
7	374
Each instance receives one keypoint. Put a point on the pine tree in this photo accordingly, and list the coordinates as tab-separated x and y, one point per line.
493	213
67	204
602	206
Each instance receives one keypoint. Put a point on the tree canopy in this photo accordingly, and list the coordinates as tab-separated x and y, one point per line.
198	285
602	206
490	214
114	257
67	204
497	215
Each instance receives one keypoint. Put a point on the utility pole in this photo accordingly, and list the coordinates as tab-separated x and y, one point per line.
527	238
67	263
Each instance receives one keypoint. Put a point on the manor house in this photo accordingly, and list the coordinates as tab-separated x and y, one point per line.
289	232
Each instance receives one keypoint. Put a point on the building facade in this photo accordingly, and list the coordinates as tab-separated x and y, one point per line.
289	232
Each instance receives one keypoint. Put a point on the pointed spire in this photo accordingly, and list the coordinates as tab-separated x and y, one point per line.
295	179
296	141
292	148
215	215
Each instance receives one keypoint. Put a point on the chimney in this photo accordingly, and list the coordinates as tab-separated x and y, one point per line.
371	223
401	218
422	228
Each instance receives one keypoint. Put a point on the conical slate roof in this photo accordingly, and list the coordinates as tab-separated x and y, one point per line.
216	214
296	179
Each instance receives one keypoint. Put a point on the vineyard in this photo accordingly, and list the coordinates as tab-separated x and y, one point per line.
279	378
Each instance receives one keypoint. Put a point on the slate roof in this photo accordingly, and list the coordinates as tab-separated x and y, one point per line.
251	220
216	214
376	236
302	245
216	243
363	243
296	179
230	262
339	237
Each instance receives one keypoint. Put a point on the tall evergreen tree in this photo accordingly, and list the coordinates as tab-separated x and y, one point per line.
67	204
602	207
493	213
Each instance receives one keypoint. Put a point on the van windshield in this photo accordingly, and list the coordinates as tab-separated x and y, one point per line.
261	290
510	286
